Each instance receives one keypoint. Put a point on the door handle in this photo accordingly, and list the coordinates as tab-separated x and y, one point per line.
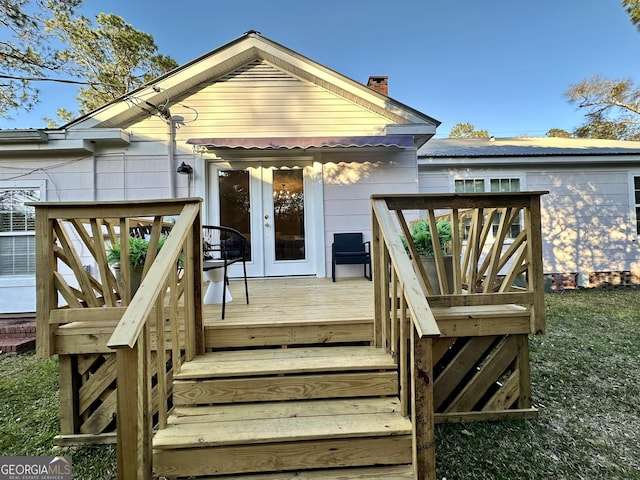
266	224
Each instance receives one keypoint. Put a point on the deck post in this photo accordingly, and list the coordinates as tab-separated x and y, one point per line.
134	422
422	415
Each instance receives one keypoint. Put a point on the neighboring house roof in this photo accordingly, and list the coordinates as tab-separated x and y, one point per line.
529	150
234	55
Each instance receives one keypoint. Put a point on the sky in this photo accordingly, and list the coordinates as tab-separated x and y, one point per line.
502	65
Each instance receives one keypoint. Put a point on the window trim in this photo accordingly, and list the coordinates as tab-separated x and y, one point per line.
487	177
633	216
10	280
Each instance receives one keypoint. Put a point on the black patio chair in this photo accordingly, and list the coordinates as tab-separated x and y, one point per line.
349	249
228	246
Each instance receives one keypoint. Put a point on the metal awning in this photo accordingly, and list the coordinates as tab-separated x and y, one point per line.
262	143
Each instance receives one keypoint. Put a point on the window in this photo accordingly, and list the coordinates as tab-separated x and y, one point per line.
17	227
476	185
636	196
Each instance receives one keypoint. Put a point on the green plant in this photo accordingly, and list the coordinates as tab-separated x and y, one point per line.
422	239
138	248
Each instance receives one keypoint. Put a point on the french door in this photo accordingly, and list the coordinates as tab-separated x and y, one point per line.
272	206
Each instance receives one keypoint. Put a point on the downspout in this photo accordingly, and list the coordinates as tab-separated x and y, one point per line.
171	164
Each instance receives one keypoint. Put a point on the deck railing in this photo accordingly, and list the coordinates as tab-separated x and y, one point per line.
152	332
405	326
459	336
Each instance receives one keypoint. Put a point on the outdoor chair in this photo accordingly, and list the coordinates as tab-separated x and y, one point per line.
224	246
349	249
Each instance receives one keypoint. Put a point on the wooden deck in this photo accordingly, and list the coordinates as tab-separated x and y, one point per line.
276	300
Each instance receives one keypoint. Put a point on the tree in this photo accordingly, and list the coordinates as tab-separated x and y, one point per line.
612	105
467	130
558	132
114	58
25	49
633	9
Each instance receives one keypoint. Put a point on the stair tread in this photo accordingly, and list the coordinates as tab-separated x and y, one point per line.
395	472
316	424
285	361
273	410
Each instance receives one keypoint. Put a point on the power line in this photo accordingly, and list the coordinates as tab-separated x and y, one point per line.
44	79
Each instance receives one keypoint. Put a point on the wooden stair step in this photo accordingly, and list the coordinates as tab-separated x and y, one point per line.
285	361
283	436
289	429
284	388
239	332
255	411
394	472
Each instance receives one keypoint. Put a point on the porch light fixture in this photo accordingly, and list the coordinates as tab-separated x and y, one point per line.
185	169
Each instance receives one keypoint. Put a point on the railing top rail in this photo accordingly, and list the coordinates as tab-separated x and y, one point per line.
423	319
421	201
132	322
115	209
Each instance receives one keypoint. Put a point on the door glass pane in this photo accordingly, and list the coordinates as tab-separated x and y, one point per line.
235	208
288	214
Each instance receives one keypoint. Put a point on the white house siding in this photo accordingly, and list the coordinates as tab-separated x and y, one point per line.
65	178
262	101
349	181
587	221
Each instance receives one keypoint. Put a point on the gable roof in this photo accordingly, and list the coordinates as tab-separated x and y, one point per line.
156	97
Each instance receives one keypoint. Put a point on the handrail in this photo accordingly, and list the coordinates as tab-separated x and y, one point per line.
72	235
420	312
401	303
488	268
132	343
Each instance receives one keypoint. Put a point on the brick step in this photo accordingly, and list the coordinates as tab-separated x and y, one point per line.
17	345
17	336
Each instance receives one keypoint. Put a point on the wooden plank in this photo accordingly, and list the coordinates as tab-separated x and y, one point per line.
300	409
222	336
99	314
538	322
85	362
46	296
131	324
272	457
476	327
440	347
84	439
397	472
459	367
134	422
100	418
69	383
97	383
524	369
283	429
423	438
286	362
479	416
506	396
492	369
419	309
285	388
442	301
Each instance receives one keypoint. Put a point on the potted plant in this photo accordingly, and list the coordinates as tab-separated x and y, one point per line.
138	248
423	241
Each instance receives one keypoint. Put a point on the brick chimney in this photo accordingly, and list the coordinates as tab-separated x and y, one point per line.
379	83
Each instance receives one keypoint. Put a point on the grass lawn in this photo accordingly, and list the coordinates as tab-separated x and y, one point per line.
586	384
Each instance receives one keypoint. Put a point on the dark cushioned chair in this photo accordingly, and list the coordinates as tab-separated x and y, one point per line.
349	249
